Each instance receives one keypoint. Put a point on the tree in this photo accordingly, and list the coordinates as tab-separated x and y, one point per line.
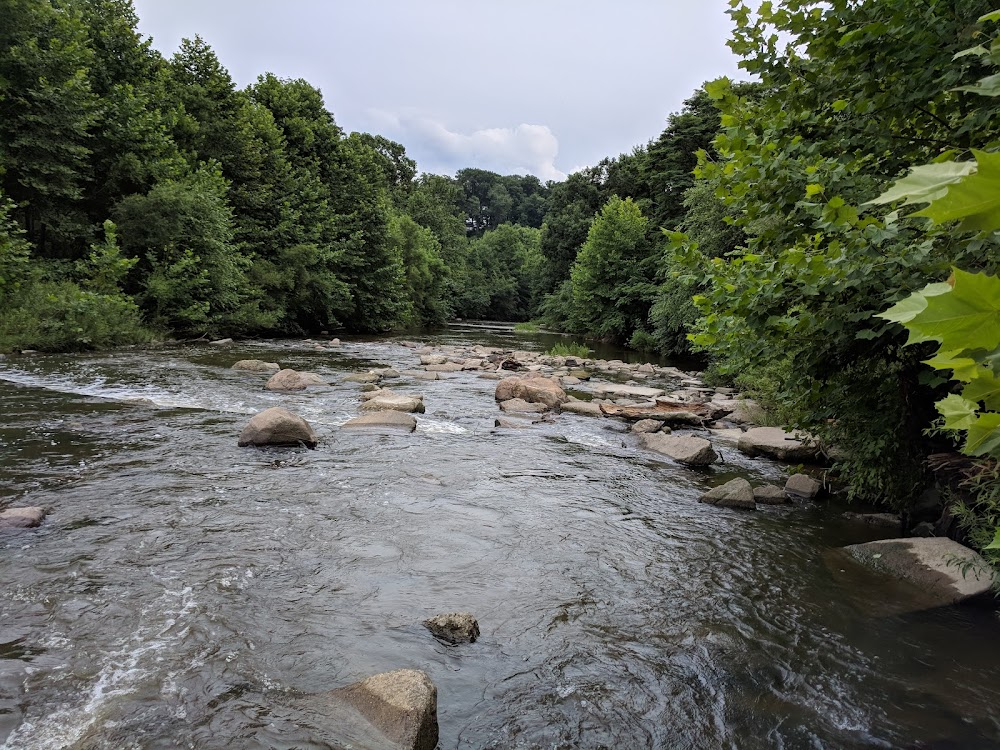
860	92
47	112
612	275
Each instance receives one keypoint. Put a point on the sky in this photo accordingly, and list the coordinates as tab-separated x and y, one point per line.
542	87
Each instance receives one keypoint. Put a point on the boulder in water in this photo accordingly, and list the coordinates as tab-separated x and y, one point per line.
21	518
736	493
454	628
776	443
584	408
383	401
277	426
363	377
644	426
220	342
520	405
383	419
802	487
943	569
768	494
536	390
693	451
256	365
293	380
389	711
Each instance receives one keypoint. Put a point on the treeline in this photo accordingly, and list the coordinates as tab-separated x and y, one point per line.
147	193
142	192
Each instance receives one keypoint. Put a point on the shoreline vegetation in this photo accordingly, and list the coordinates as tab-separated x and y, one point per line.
769	228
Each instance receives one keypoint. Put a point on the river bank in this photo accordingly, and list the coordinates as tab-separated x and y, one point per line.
184	589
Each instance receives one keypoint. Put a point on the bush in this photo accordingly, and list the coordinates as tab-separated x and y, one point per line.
529	327
569	350
643	341
59	316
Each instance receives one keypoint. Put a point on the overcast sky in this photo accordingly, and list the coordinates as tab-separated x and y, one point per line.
516	86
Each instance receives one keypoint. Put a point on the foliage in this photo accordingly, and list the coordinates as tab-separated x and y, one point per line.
837	114
502	275
419	252
611	275
573	349
527	327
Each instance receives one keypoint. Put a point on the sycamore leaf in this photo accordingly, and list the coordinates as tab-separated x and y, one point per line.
993	15
988	86
984	387
984	436
959	413
925	183
995	544
968	317
975	200
907	309
977	51
965	369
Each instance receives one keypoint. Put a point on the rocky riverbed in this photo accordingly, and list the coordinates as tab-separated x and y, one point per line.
541	578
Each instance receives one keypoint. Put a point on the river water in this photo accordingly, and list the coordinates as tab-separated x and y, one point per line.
184	592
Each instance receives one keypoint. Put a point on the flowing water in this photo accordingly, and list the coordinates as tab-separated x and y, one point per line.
184	592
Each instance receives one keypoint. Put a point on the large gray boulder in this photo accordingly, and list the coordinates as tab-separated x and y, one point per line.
536	390
445	367
454	628
944	570
21	518
277	426
693	451
256	365
363	377
645	426
389	711
293	380
776	443
383	419
736	493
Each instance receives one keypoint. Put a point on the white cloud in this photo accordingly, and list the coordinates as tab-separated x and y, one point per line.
525	149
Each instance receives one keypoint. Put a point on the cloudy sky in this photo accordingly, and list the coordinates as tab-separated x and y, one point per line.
516	86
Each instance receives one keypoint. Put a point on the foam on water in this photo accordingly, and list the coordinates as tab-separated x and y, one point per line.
123	671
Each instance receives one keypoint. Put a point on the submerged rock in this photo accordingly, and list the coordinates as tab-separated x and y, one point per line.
736	493
277	426
388	711
384	419
693	451
943	569
256	365
776	443
21	518
293	380
454	628
884	520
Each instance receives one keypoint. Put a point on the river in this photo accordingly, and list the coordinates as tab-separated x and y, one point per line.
184	592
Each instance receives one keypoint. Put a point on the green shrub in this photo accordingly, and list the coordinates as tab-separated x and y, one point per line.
643	341
528	327
569	350
59	316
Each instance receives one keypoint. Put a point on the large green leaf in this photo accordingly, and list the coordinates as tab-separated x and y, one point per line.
907	309
988	86
925	183
964	368
995	544
986	388
959	413
984	436
966	318
975	200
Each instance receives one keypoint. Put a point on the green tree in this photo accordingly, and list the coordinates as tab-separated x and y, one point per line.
612	275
